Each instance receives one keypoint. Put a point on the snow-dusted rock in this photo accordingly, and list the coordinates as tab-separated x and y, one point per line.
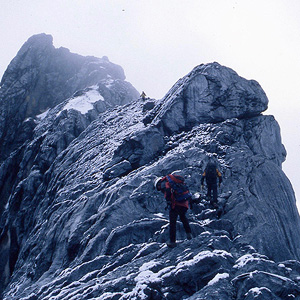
80	218
265	285
41	76
208	94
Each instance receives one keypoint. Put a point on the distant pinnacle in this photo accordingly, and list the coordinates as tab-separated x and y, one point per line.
40	39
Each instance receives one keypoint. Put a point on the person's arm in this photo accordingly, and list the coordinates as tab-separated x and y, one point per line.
202	178
220	177
168	193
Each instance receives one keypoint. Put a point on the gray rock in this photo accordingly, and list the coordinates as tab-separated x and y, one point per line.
148	105
268	286
141	147
97	227
208	94
40	77
134	233
221	289
117	170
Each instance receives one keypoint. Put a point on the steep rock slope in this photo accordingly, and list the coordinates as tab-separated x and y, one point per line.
41	77
29	145
97	228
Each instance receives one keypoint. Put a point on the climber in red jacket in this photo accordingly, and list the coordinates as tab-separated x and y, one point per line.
177	196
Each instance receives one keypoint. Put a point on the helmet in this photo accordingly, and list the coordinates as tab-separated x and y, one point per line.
157	182
177	172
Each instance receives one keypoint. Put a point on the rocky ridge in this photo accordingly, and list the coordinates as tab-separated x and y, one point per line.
97	228
39	78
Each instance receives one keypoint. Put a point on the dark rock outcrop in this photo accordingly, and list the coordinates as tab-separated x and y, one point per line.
81	219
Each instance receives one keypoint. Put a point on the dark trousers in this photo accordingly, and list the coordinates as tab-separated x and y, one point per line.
174	213
212	187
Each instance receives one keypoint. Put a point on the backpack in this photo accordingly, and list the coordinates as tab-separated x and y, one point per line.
211	171
179	189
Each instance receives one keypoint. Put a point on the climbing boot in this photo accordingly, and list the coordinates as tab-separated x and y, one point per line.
171	244
189	236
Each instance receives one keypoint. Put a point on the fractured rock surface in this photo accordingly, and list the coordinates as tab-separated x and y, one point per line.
80	218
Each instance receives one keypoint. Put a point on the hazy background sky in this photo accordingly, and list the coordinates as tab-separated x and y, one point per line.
159	41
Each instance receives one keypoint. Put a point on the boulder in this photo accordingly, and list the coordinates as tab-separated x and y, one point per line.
208	94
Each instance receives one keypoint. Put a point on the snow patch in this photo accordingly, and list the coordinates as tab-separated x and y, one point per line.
218	277
205	233
202	255
160	215
243	260
43	115
257	291
247	258
143	279
148	265
84	103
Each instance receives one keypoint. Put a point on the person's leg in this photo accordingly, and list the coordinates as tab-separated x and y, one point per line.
182	214
215	194
208	194
173	218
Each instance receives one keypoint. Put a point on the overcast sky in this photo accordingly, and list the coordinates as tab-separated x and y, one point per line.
159	41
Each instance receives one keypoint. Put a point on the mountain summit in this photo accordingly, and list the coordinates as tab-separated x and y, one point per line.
39	78
79	216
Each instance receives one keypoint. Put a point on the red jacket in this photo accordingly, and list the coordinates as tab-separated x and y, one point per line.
166	189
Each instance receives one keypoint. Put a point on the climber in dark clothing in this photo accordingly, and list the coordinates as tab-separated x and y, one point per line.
177	207
143	95
211	174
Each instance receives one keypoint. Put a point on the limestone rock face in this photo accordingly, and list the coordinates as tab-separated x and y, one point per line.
39	78
45	76
80	218
209	94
